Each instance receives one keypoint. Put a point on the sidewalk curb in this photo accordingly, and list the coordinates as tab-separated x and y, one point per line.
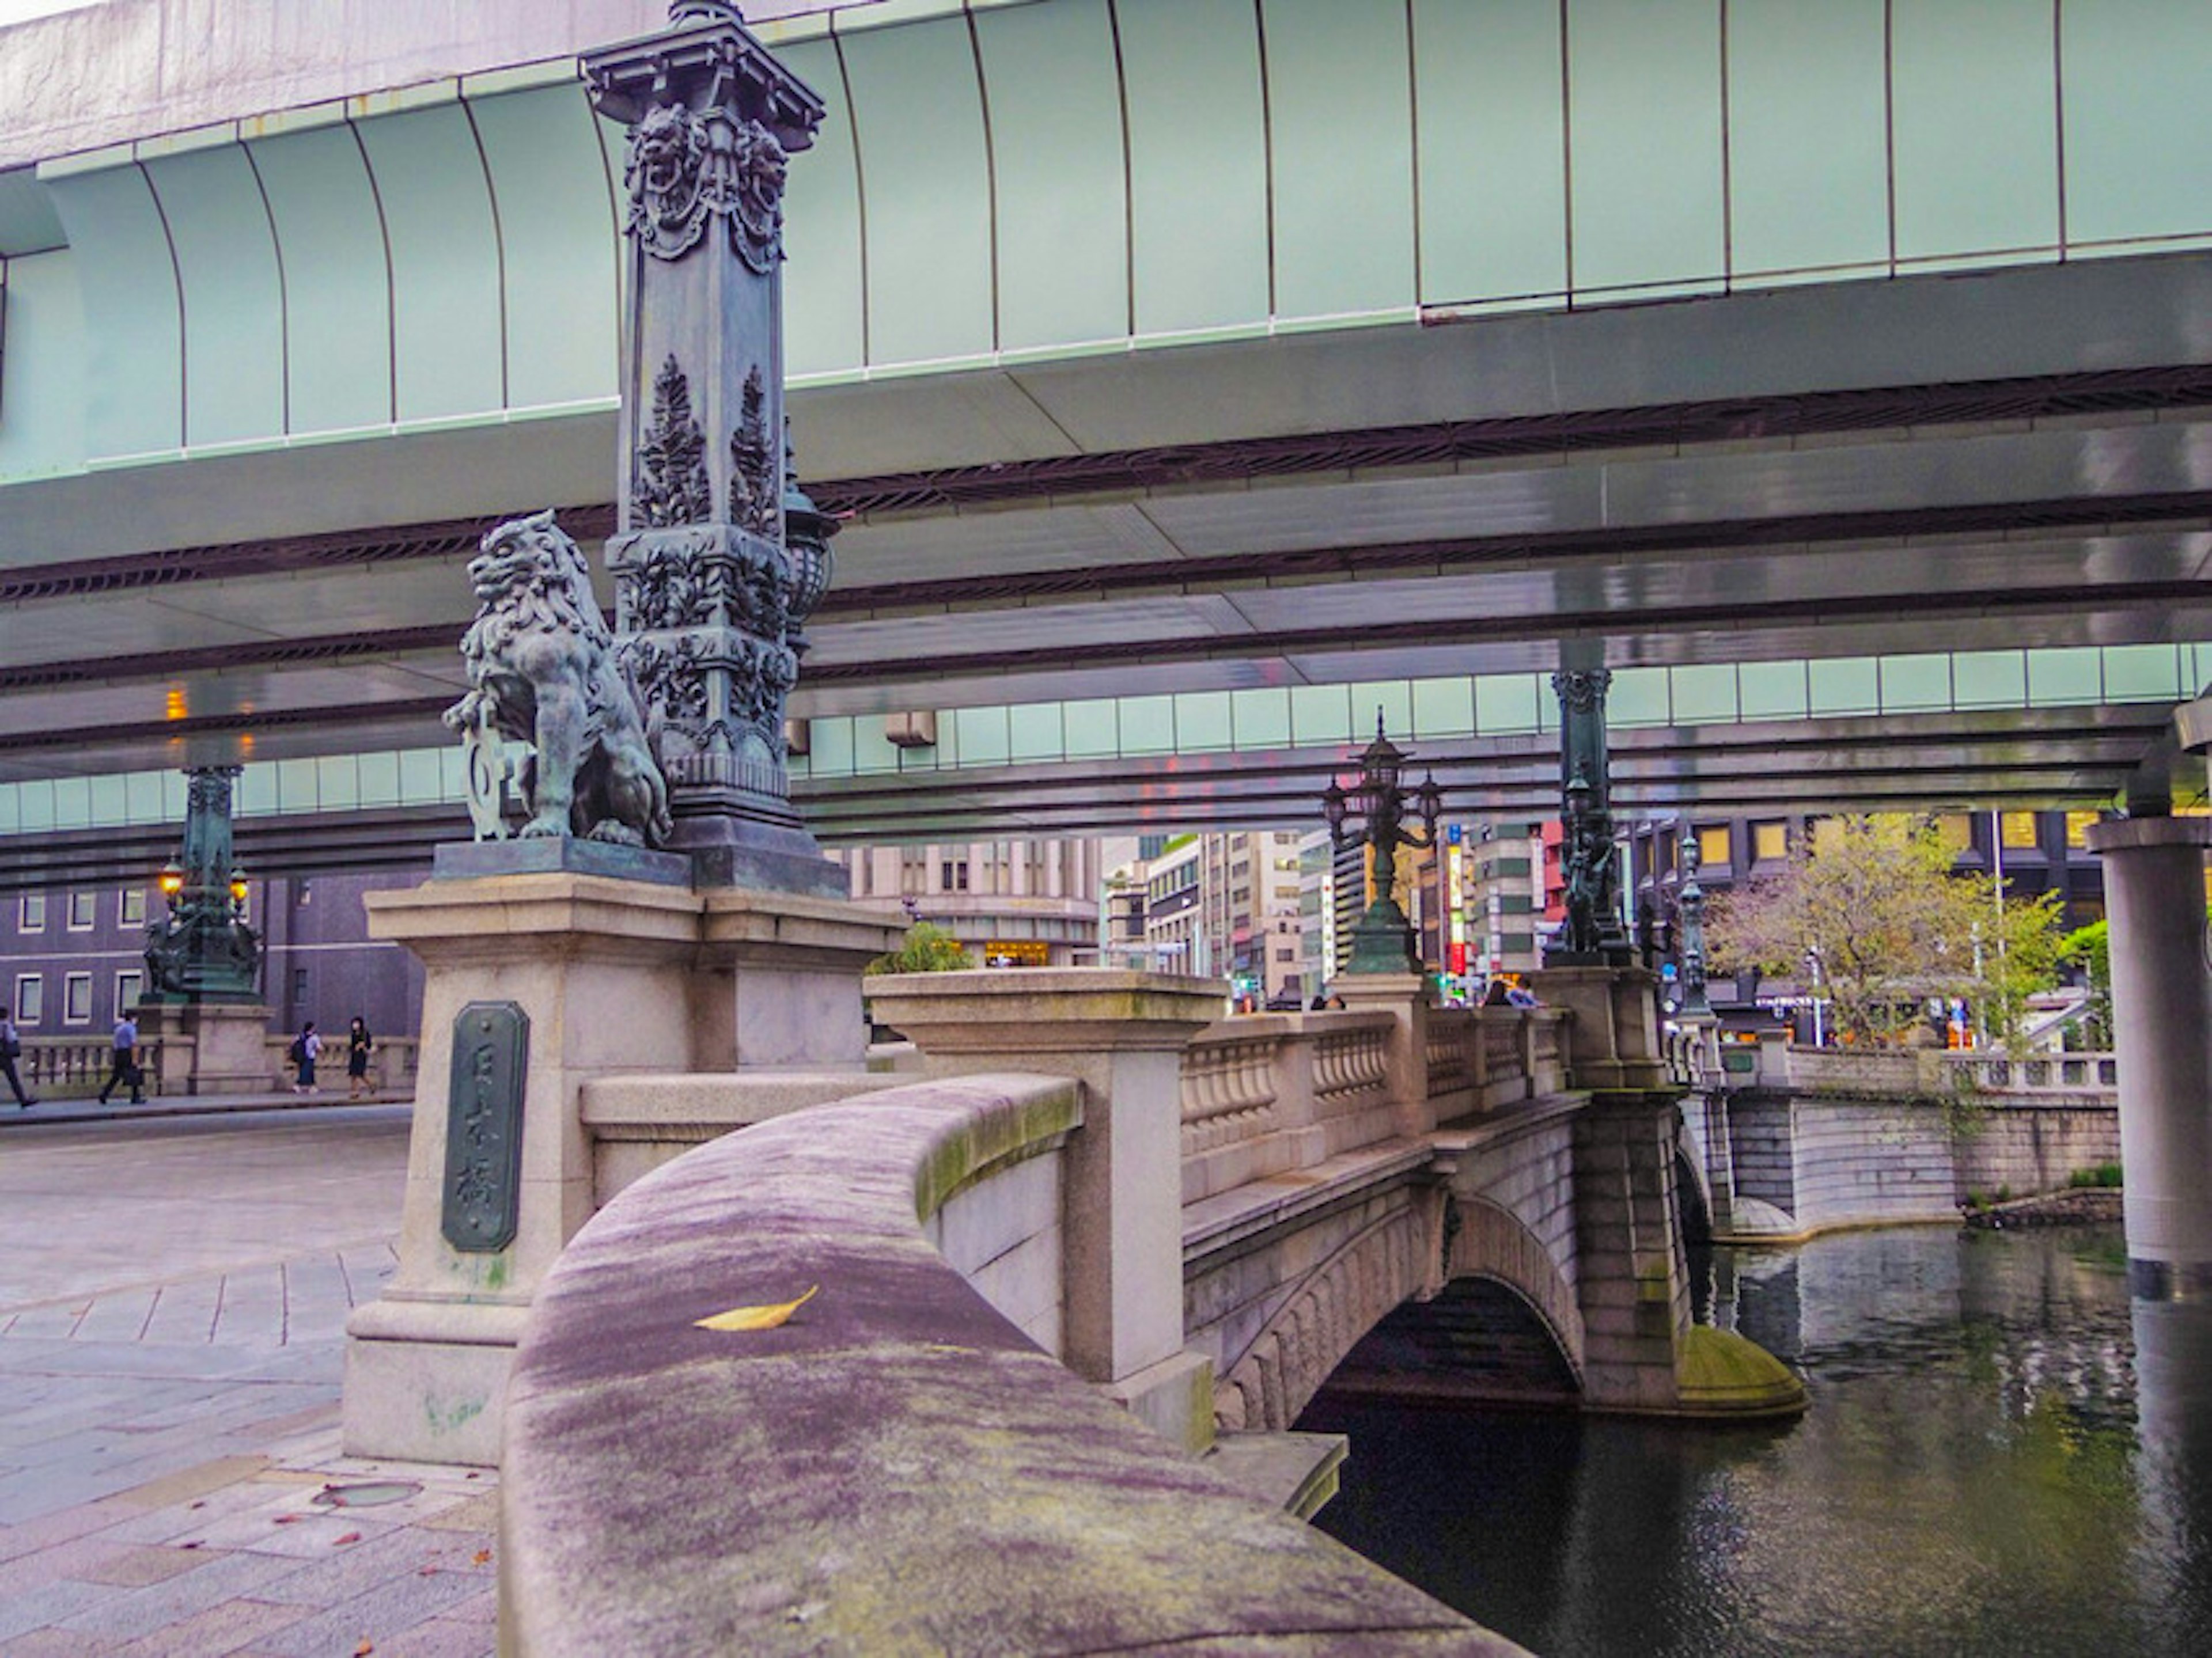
49	1112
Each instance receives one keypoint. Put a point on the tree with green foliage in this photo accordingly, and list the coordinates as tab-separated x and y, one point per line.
1876	901
2090	948
927	948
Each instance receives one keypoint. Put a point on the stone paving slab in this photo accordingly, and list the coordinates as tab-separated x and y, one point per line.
171	1360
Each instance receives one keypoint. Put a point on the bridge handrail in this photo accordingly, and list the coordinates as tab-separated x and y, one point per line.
897	1467
61	1066
1987	1071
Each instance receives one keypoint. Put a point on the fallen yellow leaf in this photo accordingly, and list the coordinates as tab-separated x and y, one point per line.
755	1318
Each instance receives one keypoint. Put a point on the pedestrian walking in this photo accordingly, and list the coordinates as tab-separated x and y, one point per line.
123	1063
359	1046
11	1049
305	1047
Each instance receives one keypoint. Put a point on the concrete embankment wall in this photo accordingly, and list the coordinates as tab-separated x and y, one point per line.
1825	1161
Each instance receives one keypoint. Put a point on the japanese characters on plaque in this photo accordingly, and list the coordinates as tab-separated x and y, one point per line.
483	1126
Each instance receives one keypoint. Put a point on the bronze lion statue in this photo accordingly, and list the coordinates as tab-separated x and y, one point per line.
541	670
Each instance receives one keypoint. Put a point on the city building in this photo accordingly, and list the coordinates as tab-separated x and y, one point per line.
1012	903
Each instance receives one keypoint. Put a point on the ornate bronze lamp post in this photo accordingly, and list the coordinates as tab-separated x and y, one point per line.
1690	905
1383	940
202	949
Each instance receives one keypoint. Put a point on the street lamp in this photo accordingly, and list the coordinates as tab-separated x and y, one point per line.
1383	940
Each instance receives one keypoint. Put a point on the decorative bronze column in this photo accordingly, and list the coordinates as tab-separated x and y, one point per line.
1690	905
202	949
1594	934
1383	939
709	599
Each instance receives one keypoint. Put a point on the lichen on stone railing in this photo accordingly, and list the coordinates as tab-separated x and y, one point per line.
895	1469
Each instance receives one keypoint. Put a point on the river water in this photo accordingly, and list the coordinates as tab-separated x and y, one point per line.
2002	1457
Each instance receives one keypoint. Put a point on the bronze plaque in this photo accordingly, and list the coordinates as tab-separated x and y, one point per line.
483	1126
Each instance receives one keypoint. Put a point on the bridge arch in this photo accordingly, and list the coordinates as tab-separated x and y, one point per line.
1386	1264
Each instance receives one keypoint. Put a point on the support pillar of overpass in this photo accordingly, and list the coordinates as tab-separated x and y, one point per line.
2161	966
1121	1035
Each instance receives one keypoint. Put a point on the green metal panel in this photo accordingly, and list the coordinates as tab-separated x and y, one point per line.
1443	708
28	223
1393	699
1198	165
379	780
447	351
42	373
2138	118
142	797
107	803
873	751
1148	725
419	779
560	239
338	292
2065	674
1914	683
982	736
1772	690
1202	722
1094	731
926	191
1493	191
1340	128
832	742
1696	695
1638	696
338	784
1506	704
2142	673
1262	718
1062	192
824	313
1320	713
1033	732
135	365
1809	142
1848	685
1976	123
1988	679
1644	131
233	298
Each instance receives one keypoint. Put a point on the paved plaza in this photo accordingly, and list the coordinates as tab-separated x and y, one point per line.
173	1292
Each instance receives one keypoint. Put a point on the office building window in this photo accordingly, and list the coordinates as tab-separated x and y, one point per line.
1770	842
2017	830
83	911
129	987
1713	844
1957	830
30	998
76	998
131	907
31	913
2077	823
955	873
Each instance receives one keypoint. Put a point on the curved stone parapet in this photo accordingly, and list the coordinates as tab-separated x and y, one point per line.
897	1468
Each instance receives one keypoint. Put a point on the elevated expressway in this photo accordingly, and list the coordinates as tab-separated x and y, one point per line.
1199	377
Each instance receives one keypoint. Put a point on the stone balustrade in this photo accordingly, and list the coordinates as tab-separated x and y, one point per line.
1271	1094
2033	1074
898	1467
391	1065
63	1068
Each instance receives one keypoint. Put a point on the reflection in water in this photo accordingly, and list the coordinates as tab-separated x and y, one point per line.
1971	1478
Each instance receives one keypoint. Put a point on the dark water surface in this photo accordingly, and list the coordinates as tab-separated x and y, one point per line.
2002	1457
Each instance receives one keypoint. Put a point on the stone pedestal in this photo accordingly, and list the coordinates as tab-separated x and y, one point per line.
1122	1035
223	1046
1612	1040
2162	1033
1407	998
614	977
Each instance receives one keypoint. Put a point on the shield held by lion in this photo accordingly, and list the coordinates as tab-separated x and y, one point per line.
541	670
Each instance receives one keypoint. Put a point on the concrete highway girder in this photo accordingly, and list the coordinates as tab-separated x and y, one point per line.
1731	480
